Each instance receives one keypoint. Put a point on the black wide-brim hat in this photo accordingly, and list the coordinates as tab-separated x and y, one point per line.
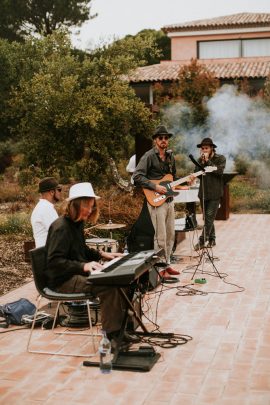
208	142
161	130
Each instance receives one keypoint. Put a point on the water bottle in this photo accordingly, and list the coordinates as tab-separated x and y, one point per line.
105	362
126	249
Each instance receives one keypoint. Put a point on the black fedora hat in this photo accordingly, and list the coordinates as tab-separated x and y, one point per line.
47	184
206	141
161	130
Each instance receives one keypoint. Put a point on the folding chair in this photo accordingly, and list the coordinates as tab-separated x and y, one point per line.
38	261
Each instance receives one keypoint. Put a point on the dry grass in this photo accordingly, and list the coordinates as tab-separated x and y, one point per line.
247	197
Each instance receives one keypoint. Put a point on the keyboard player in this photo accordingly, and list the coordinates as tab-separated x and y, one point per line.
70	260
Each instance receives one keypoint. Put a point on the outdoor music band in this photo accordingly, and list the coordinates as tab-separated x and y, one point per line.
70	260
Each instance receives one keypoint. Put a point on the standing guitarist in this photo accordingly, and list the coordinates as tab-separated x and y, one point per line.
154	165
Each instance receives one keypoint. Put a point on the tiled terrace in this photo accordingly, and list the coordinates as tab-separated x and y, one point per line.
226	363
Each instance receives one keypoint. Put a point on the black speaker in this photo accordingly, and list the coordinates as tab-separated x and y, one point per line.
154	279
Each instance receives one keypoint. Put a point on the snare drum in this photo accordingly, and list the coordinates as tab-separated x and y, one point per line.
107	245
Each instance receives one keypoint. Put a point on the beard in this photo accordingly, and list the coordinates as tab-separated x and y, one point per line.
55	199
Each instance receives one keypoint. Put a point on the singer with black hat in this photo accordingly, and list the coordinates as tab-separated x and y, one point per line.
154	165
210	191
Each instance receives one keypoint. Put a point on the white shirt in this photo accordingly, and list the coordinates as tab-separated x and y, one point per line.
131	166
42	216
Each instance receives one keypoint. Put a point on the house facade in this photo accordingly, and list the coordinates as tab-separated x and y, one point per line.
233	47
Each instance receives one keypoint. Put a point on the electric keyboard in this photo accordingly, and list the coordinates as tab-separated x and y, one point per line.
127	269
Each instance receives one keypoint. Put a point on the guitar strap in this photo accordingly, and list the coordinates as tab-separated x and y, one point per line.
169	154
166	162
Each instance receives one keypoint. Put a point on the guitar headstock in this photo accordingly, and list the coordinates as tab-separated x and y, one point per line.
209	169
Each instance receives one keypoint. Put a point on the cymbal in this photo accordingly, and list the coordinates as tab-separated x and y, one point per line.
110	225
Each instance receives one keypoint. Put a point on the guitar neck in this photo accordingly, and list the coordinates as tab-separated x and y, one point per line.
184	179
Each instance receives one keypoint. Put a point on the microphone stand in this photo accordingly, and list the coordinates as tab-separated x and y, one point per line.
204	253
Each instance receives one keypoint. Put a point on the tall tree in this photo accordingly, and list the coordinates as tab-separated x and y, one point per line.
197	84
266	94
21	17
160	42
12	14
81	112
194	86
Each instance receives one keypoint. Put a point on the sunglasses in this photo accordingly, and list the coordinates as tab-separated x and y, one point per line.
163	137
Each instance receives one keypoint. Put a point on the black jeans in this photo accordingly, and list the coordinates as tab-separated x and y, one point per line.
209	208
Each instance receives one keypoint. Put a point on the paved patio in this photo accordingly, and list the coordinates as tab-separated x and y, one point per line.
226	362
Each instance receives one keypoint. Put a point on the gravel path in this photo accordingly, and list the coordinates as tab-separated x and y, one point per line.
14	271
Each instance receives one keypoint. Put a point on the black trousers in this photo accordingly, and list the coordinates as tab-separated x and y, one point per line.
209	208
112	305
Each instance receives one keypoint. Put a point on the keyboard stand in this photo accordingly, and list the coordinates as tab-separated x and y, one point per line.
142	359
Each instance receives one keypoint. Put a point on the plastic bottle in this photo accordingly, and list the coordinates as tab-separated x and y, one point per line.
125	249
105	362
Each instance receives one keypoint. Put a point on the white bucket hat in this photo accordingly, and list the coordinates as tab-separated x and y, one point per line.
80	190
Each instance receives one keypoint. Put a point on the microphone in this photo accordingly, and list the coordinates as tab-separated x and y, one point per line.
196	163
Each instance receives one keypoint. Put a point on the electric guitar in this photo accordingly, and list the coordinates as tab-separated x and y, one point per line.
155	199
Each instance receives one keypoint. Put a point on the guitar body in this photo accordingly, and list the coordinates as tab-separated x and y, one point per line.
155	199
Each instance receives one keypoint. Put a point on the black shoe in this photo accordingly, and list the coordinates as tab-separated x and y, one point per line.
124	346
211	243
128	338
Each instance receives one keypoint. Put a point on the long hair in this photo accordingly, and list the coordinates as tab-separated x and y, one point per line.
73	209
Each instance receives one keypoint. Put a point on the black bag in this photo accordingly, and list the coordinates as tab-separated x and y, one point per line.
190	222
141	236
14	311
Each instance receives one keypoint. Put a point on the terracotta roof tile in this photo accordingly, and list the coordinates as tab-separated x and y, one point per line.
229	21
222	70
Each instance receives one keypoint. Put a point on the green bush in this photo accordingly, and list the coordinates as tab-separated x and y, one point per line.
5	155
18	223
240	189
241	163
247	197
26	177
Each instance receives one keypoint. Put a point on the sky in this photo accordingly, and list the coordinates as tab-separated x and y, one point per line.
117	18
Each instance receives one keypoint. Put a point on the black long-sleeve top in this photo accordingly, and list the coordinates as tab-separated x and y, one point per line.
151	167
213	181
66	251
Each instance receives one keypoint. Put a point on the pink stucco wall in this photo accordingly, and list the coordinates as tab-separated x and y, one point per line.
185	48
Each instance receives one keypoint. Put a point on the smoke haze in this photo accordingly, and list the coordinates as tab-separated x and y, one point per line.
237	124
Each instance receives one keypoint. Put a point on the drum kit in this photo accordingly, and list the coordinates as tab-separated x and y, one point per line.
105	244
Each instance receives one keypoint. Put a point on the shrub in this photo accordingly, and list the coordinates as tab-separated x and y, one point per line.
26	177
247	197
241	189
5	155
16	224
241	163
9	192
